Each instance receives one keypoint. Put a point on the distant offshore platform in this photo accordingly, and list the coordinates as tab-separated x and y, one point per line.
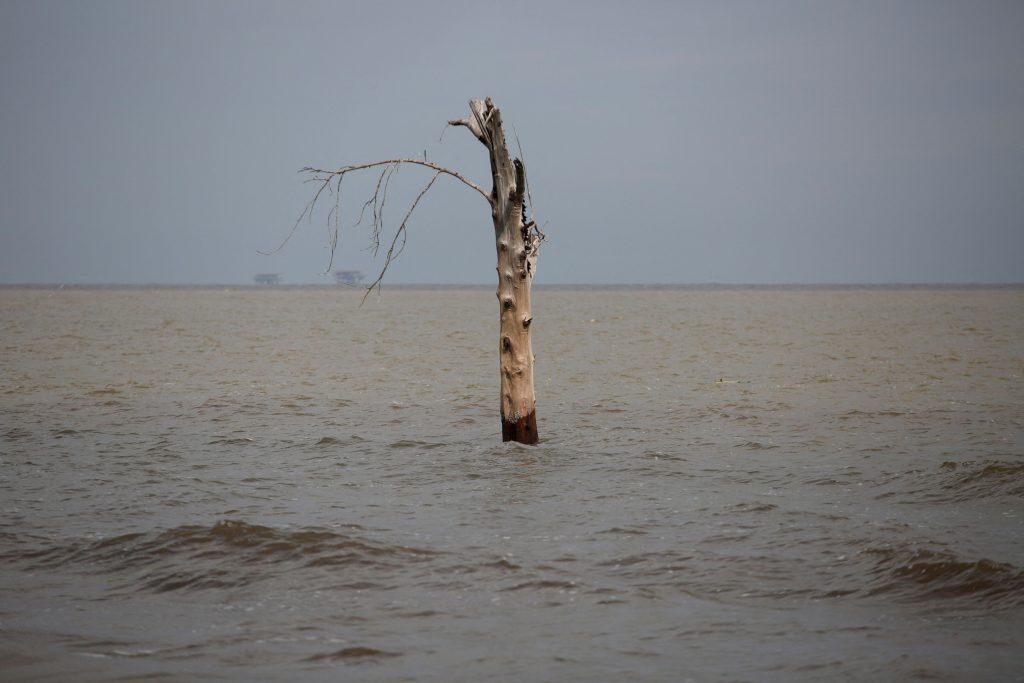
342	277
348	277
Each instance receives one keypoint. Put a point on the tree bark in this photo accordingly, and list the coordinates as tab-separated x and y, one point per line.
517	248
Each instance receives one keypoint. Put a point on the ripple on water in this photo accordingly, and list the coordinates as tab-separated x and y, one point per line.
230	553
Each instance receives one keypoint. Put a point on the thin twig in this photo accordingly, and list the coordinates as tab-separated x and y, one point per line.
526	179
371	200
308	211
401	232
378	208
333	235
532	223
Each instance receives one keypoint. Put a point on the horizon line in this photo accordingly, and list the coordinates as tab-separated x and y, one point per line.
452	285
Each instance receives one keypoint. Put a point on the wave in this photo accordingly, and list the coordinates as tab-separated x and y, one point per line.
971	480
936	577
916	576
957	482
350	654
229	553
232	553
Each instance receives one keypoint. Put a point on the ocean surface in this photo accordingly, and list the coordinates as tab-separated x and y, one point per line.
732	484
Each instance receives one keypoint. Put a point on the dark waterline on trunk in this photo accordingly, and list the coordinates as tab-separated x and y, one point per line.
523	430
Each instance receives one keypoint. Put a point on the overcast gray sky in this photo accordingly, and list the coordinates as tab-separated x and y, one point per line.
748	142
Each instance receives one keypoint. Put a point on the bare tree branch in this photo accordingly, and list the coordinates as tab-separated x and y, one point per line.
331	180
419	162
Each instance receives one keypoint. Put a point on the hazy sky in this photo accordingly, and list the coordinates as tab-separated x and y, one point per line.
763	141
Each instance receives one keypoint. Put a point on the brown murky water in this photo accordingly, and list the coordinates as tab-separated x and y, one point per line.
733	484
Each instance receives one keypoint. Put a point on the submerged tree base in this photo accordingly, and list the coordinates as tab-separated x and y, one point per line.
523	430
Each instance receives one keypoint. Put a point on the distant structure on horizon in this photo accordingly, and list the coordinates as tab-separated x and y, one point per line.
267	279
348	277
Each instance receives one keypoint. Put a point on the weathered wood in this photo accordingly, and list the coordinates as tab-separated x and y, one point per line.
517	250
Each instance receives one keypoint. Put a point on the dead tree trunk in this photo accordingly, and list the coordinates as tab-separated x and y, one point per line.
517	241
516	245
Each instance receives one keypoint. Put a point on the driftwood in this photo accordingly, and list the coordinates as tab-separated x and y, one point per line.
517	240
